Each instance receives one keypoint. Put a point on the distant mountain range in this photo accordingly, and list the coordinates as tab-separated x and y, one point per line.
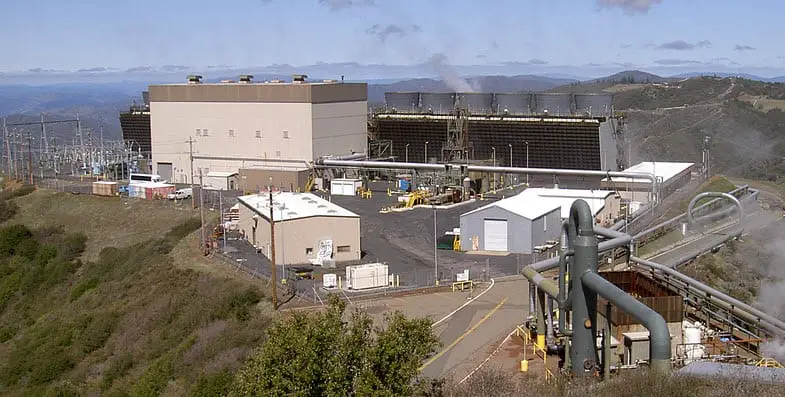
99	104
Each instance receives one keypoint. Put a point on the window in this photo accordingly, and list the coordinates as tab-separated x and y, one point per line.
277	153
285	134
231	133
258	133
308	251
204	132
198	132
344	248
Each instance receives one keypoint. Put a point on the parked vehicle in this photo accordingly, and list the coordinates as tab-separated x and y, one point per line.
301	273
140	179
180	194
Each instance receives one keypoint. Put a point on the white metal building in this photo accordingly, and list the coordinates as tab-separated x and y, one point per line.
220	180
233	126
605	204
345	187
308	228
671	176
516	224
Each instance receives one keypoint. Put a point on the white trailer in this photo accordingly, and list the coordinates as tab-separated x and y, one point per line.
370	275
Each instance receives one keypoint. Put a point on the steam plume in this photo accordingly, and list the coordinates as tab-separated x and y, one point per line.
449	75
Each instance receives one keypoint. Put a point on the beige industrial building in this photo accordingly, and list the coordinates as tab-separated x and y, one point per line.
259	130
308	228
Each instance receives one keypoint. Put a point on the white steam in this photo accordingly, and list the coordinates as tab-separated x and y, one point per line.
449	75
770	263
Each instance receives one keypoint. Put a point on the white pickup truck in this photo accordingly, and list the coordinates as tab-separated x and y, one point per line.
181	194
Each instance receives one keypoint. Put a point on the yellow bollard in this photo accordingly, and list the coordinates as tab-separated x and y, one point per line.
524	365
541	341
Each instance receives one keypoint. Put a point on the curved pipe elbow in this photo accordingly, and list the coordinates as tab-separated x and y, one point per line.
732	198
581	218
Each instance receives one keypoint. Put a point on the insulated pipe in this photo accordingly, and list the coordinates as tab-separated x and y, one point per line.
684	214
557	171
738	307
331	163
583	241
730	197
659	335
480	168
541	316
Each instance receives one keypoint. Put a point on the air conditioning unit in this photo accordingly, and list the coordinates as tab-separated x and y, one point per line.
246	78
194	79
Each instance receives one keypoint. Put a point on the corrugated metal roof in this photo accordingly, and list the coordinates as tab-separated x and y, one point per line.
523	206
664	170
290	205
565	198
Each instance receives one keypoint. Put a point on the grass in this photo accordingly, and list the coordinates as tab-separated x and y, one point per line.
129	319
106	221
716	183
634	383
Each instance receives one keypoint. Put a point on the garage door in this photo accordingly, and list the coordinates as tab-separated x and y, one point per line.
165	171
495	232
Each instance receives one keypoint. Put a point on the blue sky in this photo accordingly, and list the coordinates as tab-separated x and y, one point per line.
86	34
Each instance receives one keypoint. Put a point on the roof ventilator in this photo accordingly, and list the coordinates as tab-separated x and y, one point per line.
194	79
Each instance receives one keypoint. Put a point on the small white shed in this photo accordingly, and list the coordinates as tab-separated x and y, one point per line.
219	180
345	187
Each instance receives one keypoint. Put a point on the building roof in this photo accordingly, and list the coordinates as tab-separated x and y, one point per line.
663	170
260	92
290	205
565	198
220	174
523	206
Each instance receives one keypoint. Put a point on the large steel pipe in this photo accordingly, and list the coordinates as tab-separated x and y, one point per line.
659	335
733	305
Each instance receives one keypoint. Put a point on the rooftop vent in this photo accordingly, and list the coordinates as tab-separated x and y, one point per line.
194	79
277	81
291	213
321	206
329	81
246	78
299	78
306	198
332	211
227	81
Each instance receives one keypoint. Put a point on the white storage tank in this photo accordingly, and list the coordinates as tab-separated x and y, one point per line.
345	187
371	275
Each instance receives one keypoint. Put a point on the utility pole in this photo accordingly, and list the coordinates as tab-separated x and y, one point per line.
7	147
274	277
201	208
191	159
30	156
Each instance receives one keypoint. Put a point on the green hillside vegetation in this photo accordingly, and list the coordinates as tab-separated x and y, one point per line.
130	322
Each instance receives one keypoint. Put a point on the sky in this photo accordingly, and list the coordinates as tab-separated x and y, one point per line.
93	35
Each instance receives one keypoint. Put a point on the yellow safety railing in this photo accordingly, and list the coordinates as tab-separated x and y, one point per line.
537	351
769	363
461	285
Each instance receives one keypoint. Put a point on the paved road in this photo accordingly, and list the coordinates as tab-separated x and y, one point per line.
755	220
476	330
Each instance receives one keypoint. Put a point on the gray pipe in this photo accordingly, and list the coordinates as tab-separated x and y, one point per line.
732	198
331	163
734	305
684	214
583	241
325	162
659	335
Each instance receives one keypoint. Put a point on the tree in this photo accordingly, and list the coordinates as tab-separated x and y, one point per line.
320	354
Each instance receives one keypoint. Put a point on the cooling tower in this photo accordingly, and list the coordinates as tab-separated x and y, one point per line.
513	102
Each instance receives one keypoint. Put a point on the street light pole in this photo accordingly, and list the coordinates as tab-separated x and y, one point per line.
407	152
527	162
510	145
493	157
435	248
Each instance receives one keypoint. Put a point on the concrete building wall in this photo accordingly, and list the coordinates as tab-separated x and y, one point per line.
225	134
339	128
611	209
522	234
254	179
297	240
